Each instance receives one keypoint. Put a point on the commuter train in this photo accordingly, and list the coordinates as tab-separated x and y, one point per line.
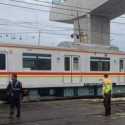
63	70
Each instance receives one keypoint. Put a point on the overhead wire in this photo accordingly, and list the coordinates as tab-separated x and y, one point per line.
30	8
54	32
23	35
38	9
59	28
64	5
48	6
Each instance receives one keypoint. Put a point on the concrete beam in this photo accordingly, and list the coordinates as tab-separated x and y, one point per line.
110	9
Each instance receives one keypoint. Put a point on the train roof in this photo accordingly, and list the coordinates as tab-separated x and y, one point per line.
68	46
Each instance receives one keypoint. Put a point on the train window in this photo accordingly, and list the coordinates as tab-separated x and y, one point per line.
2	62
99	64
121	65
37	61
67	63
75	63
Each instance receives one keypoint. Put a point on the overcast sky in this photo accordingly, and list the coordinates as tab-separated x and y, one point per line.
23	25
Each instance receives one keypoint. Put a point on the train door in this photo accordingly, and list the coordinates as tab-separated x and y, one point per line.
72	68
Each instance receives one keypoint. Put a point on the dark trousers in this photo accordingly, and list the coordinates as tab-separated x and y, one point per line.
107	104
15	103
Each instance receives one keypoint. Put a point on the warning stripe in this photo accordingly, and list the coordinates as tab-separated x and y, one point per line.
56	74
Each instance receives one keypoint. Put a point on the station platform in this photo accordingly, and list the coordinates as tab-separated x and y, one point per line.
65	112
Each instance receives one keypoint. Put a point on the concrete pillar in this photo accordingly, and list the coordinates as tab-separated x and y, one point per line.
81	27
92	29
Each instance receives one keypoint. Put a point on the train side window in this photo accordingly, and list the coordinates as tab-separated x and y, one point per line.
99	64
76	63
121	65
67	63
2	62
37	61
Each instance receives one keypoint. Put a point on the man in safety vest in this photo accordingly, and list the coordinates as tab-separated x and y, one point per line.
107	89
14	91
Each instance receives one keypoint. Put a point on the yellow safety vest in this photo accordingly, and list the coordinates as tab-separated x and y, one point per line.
107	86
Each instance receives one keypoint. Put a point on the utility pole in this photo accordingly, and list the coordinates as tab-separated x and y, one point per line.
79	27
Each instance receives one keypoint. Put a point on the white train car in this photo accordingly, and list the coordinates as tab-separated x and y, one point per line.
61	68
